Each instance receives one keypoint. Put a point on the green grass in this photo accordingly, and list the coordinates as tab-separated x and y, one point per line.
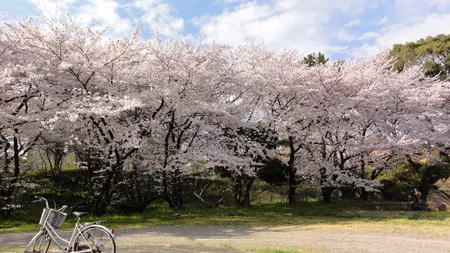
226	246
9	250
301	214
199	244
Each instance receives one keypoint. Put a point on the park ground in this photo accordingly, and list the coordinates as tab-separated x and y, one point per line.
277	228
287	239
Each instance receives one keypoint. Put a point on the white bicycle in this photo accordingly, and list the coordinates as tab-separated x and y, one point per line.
86	237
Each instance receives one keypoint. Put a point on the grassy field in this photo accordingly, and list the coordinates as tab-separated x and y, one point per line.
350	215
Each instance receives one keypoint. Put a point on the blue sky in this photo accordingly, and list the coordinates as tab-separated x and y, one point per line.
339	28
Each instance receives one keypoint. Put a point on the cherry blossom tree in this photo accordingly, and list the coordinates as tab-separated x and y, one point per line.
191	85
279	94
164	109
23	106
57	70
367	107
335	118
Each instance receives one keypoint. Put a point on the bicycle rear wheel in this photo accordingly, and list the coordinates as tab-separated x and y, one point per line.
39	244
95	239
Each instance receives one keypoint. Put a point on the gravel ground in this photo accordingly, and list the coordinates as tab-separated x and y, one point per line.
233	239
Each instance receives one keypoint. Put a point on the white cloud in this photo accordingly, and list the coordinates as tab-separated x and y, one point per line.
95	13
101	13
311	25
308	25
155	14
424	5
233	27
53	8
232	1
348	7
353	23
366	50
430	25
369	36
408	9
158	15
52	5
383	21
283	23
345	36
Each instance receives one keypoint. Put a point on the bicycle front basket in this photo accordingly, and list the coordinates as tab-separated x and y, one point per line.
55	218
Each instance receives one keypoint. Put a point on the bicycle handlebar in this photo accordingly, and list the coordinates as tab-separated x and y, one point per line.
39	199
62	208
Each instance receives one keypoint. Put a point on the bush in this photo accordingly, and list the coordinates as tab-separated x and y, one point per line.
398	183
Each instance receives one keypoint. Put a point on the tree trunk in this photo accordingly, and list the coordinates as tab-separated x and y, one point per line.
173	189
136	184
58	157
105	197
15	179
348	193
242	187
248	186
238	190
4	177
166	189
177	190
292	186
101	201
363	194
326	194
90	168
6	157
292	181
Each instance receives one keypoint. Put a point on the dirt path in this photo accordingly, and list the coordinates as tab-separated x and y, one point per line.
231	239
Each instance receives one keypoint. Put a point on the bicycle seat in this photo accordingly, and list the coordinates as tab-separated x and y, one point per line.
80	214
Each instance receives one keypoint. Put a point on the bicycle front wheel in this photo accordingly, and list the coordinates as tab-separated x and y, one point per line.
39	244
95	239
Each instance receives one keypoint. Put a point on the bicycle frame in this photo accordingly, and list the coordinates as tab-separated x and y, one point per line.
49	230
56	238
